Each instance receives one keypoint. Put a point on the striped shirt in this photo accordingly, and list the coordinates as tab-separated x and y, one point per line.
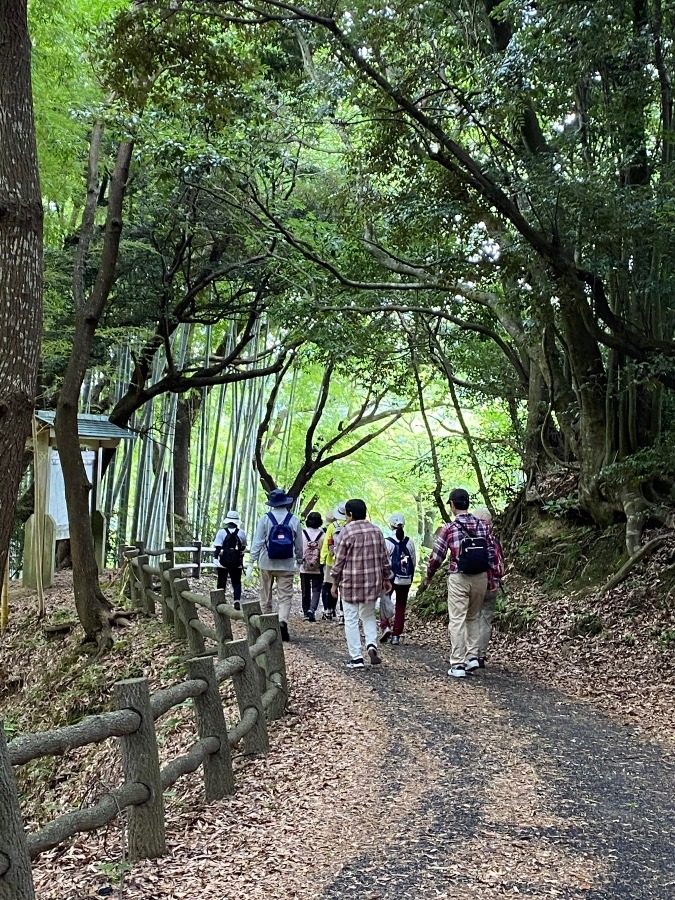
361	563
450	540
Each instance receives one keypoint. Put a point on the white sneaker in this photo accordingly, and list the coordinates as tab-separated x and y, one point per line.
386	634
356	663
457	671
471	664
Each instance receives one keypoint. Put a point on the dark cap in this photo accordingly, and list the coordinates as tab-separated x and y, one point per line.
460	498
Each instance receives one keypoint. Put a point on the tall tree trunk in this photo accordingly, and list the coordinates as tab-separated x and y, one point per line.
186	414
92	606
20	257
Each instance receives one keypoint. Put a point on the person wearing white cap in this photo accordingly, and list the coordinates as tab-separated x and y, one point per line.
403	559
229	546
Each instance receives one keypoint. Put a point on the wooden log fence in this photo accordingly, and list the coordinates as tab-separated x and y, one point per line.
256	666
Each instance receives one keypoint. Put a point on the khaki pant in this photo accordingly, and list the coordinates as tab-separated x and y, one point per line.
284	582
486	616
465	600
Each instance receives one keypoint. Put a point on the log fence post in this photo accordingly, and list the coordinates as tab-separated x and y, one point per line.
218	774
16	879
249	609
147	600
197	559
165	590
247	690
180	630
170	555
140	759
222	622
275	667
189	611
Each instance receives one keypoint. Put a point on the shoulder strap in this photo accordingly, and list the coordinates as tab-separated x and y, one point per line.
391	540
462	528
287	518
304	531
270	515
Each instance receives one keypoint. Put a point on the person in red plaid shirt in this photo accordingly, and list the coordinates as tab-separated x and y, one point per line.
467	582
362	571
494	583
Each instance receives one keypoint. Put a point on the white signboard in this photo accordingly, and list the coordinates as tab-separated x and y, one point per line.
57	492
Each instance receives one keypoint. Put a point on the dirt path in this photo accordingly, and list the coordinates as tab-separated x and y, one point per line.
519	791
389	783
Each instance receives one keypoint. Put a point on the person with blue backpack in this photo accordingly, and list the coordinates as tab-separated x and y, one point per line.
277	550
403	559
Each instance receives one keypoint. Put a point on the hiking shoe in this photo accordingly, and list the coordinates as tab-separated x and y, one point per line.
457	671
386	634
356	663
481	662
472	664
310	615
283	628
395	641
372	653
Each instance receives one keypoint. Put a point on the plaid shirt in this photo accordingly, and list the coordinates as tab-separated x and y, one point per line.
362	563
450	539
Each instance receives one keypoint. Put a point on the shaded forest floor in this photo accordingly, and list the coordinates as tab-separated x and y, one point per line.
387	783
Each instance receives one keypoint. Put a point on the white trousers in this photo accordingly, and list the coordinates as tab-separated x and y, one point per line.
365	612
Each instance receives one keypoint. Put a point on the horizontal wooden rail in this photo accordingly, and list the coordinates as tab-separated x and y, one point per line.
189	762
166	698
247	722
78	820
91	730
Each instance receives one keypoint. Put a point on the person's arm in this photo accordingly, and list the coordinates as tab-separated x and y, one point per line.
325	545
413	552
340	560
259	539
298	543
439	552
218	542
386	567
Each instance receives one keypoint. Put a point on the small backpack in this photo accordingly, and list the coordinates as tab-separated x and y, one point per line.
473	553
281	539
232	550
401	559
310	559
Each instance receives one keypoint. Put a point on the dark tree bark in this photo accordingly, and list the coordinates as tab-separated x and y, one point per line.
92	606
186	414
20	257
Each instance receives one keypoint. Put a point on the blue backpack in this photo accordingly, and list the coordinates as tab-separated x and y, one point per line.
401	559
281	539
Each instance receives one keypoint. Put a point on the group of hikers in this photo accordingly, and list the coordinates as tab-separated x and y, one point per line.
349	566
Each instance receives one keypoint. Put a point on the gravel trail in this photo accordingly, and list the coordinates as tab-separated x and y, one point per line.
516	790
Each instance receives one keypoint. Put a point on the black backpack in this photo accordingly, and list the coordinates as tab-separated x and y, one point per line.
232	550
401	559
473	553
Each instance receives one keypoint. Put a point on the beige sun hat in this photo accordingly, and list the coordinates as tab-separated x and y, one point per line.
483	513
